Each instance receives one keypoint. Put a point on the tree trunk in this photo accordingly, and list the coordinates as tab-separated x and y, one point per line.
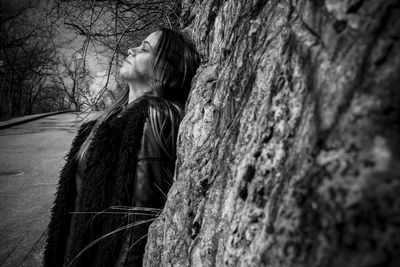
289	153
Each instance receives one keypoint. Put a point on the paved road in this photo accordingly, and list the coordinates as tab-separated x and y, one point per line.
34	151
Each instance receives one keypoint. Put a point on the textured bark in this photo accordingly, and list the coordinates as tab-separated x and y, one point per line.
289	153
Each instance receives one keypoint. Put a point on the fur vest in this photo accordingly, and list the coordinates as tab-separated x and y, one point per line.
109	179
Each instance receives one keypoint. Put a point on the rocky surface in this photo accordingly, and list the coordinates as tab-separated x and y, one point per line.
289	153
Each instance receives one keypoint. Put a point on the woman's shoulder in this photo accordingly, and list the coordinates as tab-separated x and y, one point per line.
163	121
156	111
164	108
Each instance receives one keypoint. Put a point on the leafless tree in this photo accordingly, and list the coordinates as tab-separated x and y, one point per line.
26	56
72	77
34	34
110	27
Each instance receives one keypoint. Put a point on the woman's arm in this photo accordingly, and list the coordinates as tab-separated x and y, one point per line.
153	179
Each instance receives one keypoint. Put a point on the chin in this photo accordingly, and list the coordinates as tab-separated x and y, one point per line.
123	73
125	70
126	76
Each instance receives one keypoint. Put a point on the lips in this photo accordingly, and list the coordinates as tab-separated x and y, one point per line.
125	60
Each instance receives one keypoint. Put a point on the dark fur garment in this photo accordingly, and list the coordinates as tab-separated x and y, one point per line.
107	181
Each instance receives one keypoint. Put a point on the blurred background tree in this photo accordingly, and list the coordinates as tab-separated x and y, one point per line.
106	30
57	55
26	57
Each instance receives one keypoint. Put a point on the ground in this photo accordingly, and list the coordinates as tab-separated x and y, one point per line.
31	156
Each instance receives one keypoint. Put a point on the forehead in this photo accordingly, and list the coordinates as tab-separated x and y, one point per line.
153	38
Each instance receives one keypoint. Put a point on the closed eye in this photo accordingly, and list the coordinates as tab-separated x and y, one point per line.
146	45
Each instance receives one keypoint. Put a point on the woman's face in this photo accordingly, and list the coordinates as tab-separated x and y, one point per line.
138	66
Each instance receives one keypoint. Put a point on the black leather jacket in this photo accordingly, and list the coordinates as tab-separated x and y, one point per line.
154	176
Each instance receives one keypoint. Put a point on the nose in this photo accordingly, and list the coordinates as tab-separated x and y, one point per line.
132	51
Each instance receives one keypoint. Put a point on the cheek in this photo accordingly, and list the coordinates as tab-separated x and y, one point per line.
143	66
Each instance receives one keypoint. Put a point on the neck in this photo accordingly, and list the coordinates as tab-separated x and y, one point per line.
136	90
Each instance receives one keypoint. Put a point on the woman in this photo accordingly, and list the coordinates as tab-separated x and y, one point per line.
124	158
